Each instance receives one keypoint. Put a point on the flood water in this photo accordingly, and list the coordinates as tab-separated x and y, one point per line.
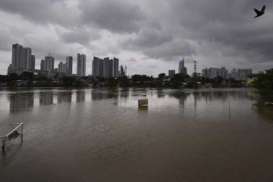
100	135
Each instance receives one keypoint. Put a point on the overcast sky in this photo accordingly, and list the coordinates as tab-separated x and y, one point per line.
149	36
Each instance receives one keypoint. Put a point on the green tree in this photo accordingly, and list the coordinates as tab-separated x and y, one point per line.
264	81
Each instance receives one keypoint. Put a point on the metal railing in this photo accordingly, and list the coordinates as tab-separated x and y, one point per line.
12	135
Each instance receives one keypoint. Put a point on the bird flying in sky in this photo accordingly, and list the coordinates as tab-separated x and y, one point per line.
260	12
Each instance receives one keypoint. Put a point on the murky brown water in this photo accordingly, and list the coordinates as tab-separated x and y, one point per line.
100	135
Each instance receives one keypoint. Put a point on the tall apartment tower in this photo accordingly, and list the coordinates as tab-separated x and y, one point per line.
26	60
69	65
115	68
182	69
17	51
62	67
123	70
42	65
21	59
81	64
32	63
106	65
47	65
97	67
105	68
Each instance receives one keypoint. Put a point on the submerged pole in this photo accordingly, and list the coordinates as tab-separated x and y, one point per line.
3	145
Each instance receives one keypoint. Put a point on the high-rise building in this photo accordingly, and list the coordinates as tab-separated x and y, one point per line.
212	73
49	60
97	67
21	59
81	64
240	74
171	73
10	69
223	73
123	71
42	65
27	63
105	68
69	65
182	69
32	63
62	67
115	67
47	65
16	53
106	65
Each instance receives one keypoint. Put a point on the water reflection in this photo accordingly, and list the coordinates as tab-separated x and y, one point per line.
98	94
135	92
46	98
190	101
21	102
220	95
64	97
80	95
160	93
265	112
264	105
124	92
12	150
181	97
181	131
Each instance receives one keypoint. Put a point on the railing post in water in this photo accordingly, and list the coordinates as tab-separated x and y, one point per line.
22	132
3	145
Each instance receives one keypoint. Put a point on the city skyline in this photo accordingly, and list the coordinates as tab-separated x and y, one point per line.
138	34
73	66
23	60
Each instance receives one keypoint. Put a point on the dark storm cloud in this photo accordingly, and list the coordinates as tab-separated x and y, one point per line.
158	44
171	51
229	23
42	11
163	30
5	38
150	38
113	15
81	36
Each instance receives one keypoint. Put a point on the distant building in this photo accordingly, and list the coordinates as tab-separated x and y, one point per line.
123	71
69	65
240	74
22	60
106	65
115	68
17	52
212	73
47	65
97	67
81	64
32	63
182	69
105	68
42	65
49	60
171	73
223	73
62	67
25	66
10	69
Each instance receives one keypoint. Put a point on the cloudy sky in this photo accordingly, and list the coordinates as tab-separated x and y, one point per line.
149	36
